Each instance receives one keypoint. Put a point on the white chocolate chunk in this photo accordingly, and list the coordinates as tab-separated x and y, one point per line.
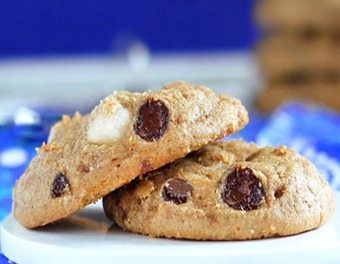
109	122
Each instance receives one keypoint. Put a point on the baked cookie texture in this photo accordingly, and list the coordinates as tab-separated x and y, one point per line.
272	96
126	135
225	191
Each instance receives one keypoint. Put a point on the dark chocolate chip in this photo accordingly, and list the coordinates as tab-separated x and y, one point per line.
242	190
59	185
176	191
152	120
280	192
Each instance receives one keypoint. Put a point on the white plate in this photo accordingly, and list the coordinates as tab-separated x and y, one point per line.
88	237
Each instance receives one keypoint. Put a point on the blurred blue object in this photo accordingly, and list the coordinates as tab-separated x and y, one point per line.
316	125
4	260
310	130
19	138
250	132
76	27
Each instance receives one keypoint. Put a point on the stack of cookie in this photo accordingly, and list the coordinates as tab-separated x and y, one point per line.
299	53
154	158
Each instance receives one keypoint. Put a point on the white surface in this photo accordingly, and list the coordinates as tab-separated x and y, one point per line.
76	83
87	237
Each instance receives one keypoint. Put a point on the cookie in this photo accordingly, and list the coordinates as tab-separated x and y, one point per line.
288	59
126	135
298	14
320	93
225	191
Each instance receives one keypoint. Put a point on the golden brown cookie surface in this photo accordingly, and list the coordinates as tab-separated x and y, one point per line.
225	191
126	135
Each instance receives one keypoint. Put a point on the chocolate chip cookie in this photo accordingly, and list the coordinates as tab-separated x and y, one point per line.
289	59
225	191
325	94
126	135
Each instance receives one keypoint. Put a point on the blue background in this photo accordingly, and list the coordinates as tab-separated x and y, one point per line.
45	27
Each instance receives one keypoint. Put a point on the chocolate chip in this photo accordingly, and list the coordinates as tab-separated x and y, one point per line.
152	120
242	190
176	191
280	192
59	185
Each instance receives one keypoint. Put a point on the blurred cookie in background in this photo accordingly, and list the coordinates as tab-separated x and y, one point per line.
294	59
325	94
299	52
